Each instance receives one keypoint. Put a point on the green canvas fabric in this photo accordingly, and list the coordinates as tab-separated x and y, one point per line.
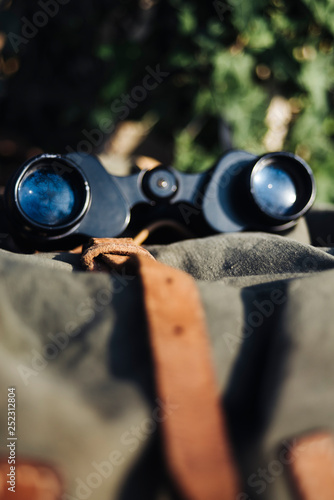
75	347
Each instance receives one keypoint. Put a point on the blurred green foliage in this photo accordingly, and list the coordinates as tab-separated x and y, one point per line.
227	61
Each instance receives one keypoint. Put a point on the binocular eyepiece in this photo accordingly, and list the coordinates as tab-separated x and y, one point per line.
58	198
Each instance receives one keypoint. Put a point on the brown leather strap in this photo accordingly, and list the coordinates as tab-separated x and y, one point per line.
104	254
195	434
312	466
31	481
196	440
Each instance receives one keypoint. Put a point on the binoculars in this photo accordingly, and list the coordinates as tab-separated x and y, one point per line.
61	200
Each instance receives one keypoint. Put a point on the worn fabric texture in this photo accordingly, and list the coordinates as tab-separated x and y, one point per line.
75	346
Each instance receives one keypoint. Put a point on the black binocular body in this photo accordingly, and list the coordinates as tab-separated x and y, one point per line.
57	201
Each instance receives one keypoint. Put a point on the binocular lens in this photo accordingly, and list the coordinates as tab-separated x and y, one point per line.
50	194
274	190
282	186
46	197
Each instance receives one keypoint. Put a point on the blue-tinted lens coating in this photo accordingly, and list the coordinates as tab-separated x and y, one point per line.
46	197
274	191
